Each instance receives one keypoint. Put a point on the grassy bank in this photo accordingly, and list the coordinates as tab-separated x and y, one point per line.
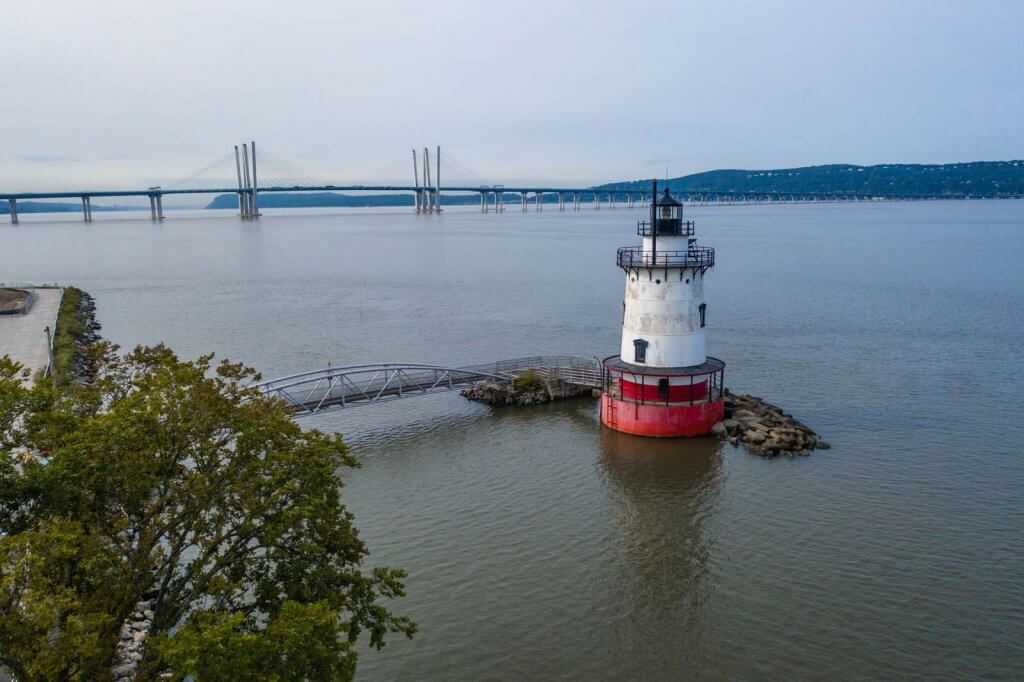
75	330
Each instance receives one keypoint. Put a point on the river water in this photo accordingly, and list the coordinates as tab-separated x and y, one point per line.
540	545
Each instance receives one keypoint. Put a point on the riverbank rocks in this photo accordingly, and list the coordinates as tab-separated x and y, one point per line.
85	332
764	429
132	637
534	391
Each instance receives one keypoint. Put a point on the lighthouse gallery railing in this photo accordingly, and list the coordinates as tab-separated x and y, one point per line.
694	257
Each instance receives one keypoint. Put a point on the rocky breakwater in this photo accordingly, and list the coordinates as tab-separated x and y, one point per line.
77	330
765	429
528	388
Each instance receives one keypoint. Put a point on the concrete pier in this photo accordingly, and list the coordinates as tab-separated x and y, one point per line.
14	211
24	338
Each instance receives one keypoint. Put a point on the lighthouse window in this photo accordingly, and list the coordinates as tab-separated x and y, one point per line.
639	351
703	310
663	388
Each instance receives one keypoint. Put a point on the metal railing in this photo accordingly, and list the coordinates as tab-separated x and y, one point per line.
714	389
693	257
667	227
312	392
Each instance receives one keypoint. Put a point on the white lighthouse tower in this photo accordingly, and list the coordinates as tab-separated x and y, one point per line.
663	383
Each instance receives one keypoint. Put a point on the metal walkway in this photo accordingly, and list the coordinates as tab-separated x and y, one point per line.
335	388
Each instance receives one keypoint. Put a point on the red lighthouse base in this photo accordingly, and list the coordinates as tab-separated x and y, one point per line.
665	402
664	421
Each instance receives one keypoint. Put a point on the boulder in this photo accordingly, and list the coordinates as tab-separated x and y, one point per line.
719	430
823	445
754	436
753	424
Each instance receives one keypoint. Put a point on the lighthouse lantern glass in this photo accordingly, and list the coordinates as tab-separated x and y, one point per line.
670	216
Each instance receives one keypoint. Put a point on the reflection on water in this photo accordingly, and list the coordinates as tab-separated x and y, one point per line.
663	493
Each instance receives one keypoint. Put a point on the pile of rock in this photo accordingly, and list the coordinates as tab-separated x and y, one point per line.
764	429
500	393
134	631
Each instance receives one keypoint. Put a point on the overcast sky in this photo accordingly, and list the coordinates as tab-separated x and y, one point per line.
124	94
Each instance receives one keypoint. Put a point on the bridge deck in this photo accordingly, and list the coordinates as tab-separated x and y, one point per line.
334	388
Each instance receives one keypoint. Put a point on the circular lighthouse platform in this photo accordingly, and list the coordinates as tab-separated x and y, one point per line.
668	402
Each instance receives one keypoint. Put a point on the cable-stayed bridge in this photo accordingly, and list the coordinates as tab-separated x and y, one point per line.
273	175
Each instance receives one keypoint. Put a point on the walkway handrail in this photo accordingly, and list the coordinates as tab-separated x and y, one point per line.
336	387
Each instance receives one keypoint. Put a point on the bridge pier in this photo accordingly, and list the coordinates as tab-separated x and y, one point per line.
417	199
246	182
255	184
523	201
499	201
597	201
14	211
561	201
86	210
159	207
152	206
576	201
611	200
539	201
242	211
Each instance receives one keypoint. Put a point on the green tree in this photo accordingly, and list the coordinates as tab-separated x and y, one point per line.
177	480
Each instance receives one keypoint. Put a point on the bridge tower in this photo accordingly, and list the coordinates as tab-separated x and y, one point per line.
663	383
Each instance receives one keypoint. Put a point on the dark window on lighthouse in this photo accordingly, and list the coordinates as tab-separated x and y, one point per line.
639	351
703	310
663	389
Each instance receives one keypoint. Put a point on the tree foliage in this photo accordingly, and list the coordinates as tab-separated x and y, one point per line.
175	480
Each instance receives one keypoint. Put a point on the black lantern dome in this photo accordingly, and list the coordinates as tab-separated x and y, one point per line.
666	219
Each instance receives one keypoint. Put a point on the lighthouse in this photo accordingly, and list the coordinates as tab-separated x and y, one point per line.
663	383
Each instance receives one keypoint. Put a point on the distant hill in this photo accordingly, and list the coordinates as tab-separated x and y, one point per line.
304	199
979	178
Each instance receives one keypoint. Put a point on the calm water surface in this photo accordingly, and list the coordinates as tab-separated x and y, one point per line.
540	545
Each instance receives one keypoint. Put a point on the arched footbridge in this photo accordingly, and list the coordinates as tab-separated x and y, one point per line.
335	388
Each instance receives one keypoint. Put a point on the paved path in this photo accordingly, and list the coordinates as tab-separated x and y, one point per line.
23	337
